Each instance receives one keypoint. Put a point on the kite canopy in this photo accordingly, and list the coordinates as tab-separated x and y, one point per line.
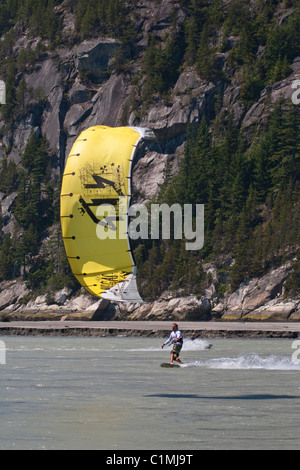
95	196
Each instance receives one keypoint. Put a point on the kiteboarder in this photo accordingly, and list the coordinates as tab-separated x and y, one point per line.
176	339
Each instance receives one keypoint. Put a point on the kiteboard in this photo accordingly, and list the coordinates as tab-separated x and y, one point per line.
167	364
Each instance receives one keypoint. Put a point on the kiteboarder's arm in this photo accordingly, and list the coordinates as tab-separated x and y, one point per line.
169	340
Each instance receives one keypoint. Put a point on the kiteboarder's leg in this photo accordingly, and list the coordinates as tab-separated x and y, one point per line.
171	357
175	353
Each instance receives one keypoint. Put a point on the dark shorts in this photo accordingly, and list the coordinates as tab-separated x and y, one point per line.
176	349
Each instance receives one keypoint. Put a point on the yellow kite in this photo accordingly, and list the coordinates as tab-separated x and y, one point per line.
95	197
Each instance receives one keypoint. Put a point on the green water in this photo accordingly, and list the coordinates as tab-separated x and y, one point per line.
111	393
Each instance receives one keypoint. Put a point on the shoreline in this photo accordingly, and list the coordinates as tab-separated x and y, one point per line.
151	329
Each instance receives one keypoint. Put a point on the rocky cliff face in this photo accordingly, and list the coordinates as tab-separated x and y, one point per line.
79	87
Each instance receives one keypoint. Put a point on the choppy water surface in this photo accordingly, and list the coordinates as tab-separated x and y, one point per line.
111	393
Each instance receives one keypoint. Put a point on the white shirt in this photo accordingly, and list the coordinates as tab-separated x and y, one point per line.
174	335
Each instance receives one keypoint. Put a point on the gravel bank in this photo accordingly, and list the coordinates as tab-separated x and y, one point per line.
151	328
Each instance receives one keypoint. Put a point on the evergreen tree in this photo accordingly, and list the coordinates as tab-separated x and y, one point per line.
8	176
6	260
286	156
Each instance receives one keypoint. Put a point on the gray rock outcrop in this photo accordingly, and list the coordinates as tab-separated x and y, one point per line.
260	299
71	89
93	57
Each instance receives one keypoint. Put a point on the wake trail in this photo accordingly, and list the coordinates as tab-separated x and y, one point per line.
246	361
